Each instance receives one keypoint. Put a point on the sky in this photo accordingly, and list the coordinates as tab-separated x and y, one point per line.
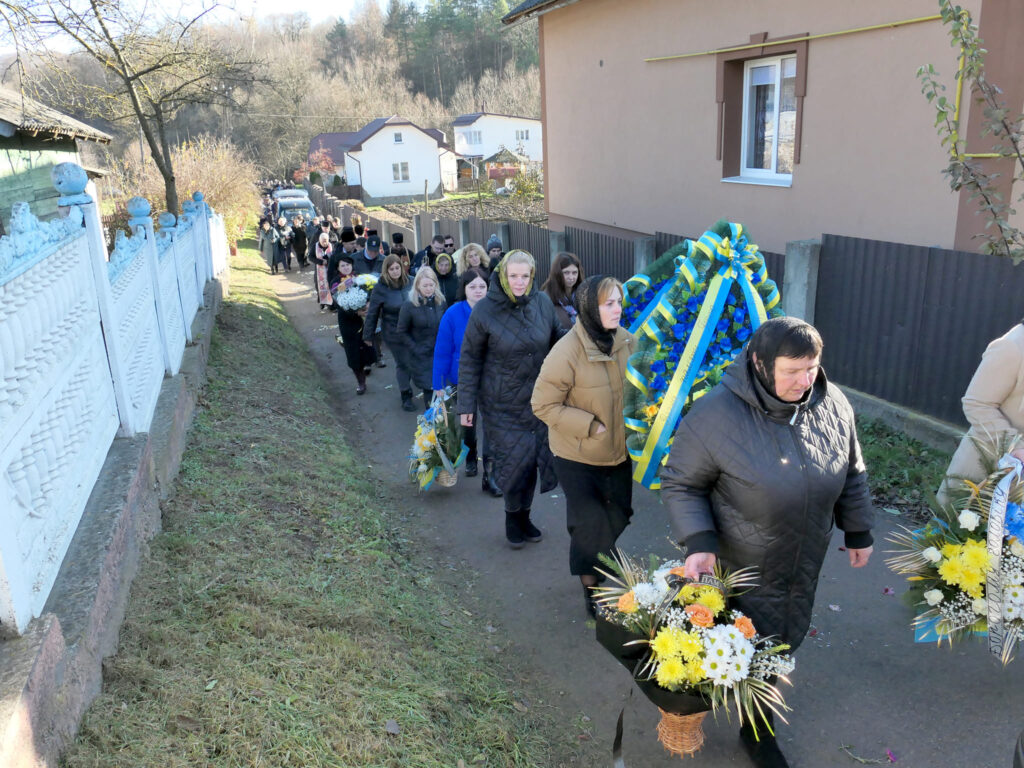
318	10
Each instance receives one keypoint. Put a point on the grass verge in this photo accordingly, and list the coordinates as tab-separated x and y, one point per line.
280	619
904	473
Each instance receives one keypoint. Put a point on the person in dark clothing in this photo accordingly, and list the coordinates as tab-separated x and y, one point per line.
760	470
398	248
493	249
566	273
425	258
385	303
267	242
282	246
350	325
418	320
507	337
299	244
346	247
473	255
385	249
370	261
447	280
579	394
324	228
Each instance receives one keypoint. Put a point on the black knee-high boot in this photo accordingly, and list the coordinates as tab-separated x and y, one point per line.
763	748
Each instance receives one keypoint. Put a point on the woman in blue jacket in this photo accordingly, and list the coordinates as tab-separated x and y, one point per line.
472	288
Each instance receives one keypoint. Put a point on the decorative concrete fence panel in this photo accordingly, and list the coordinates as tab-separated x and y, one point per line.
136	330
58	413
85	342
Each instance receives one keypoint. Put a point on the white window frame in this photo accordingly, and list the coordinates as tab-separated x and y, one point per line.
474	137
761	175
398	137
523	134
400	172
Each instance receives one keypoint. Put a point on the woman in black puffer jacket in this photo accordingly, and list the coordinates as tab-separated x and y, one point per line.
760	471
385	303
418	320
507	338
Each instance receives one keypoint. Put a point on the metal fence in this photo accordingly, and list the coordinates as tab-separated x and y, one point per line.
907	323
536	240
602	254
774	262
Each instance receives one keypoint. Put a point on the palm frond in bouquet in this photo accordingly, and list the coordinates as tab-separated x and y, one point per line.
437	447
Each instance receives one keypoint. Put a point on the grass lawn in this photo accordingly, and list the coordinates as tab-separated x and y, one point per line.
281	619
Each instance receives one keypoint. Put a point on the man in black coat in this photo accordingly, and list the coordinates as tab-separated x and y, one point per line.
427	255
347	249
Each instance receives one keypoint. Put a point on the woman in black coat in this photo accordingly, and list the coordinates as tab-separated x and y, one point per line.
350	325
385	303
418	320
299	244
447	280
508	335
761	469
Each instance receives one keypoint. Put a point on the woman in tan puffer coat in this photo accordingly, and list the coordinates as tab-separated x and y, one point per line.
579	395
994	407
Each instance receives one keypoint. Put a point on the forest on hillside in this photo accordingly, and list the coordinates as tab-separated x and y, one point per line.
291	79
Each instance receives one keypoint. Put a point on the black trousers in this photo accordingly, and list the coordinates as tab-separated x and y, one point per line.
598	506
518	496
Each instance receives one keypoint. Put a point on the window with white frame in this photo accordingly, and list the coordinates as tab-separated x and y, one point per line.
400	171
523	135
474	137
769	119
398	137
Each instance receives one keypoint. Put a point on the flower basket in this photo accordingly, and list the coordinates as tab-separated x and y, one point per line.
437	448
688	651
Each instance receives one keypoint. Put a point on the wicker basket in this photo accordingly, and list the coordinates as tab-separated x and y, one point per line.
446	478
681	734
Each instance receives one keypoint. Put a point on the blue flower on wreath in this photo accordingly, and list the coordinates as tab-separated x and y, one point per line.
678	348
739	315
658	366
673	357
1015	520
732	300
693	305
723	325
658	383
742	334
648	295
679	331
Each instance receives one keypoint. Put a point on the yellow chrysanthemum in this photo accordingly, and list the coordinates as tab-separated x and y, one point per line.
671	672
950	550
952	571
711	598
665	644
690	646
976	557
688	594
694	672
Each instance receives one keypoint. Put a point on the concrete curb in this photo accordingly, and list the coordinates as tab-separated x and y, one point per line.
937	434
49	675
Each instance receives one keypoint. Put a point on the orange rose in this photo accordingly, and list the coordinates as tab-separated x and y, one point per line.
679	571
700	615
745	626
627	603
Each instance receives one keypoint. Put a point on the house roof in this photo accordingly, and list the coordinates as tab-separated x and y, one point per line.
337	144
31	116
472	117
531	8
505	155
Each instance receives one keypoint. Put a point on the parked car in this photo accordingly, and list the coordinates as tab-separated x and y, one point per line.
290	207
282	194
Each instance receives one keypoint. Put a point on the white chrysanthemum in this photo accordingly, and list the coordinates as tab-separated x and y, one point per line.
743	649
932	555
1017	547
738	670
980	605
1014	594
722	675
968	520
933	596
1012	611
647	595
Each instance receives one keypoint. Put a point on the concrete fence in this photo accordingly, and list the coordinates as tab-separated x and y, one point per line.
86	340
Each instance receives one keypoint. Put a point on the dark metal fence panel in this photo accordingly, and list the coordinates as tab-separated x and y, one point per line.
776	265
601	254
664	241
909	324
535	240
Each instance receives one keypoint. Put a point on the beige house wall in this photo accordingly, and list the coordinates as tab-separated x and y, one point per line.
632	145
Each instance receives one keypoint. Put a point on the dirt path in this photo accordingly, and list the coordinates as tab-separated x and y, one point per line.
860	680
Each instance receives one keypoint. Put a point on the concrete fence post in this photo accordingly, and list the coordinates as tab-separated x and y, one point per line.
505	233
800	280
435	227
385	231
464	232
643	253
557	242
417	232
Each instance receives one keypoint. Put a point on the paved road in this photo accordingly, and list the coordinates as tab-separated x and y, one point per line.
860	680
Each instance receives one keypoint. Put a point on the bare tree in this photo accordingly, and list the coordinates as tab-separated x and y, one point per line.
153	70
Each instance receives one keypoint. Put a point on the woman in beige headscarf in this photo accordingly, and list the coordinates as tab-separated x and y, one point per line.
994	407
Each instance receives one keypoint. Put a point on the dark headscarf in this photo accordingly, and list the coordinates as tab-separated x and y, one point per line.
781	337
589	313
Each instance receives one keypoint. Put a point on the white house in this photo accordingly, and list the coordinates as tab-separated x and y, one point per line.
482	134
393	159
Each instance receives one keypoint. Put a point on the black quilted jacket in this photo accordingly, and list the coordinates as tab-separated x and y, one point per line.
502	352
761	482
